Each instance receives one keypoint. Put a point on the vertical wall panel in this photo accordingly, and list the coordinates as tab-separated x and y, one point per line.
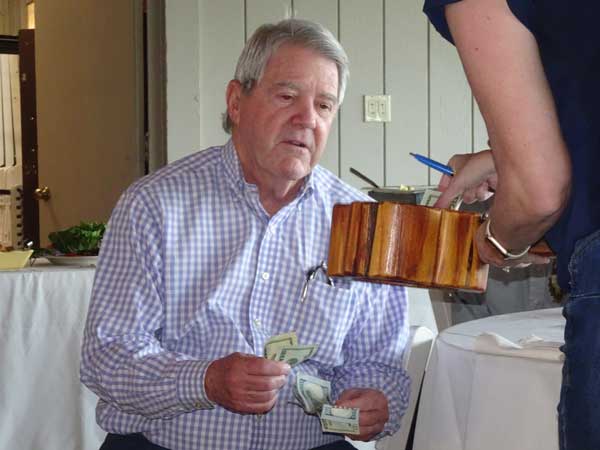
450	103
431	101
361	34
5	158
326	13
224	19
406	81
13	61
183	36
7	112
263	11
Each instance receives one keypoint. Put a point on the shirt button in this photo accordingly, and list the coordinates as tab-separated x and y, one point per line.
265	276
257	323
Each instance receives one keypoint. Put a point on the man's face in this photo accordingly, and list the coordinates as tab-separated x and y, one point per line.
281	126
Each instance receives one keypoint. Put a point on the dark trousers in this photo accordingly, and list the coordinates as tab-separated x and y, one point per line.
128	442
579	407
139	442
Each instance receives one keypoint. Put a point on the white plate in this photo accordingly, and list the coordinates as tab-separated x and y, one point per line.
81	261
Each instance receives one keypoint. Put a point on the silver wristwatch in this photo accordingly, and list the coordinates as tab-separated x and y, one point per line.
492	240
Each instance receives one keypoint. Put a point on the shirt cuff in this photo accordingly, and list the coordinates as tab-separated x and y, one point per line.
190	385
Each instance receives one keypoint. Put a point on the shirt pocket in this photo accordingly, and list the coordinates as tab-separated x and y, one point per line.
324	318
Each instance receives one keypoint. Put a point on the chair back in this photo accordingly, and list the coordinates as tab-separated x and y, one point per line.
423	329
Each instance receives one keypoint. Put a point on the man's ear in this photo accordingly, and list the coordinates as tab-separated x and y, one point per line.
232	97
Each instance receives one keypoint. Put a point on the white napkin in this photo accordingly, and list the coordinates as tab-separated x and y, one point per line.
530	347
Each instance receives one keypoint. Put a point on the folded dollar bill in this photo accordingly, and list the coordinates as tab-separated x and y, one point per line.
296	354
335	419
314	395
430	196
284	347
277	342
312	392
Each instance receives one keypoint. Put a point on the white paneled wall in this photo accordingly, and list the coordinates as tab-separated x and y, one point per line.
392	49
10	123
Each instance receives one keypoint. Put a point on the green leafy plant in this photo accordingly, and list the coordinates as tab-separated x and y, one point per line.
81	240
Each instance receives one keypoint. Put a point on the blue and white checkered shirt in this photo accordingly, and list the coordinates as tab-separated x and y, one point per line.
193	269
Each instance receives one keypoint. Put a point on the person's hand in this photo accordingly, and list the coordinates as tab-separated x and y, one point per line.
490	254
245	384
373	407
474	176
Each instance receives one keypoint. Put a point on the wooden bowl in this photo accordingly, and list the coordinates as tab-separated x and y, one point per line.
406	244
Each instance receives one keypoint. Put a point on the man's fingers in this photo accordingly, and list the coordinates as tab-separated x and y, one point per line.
265	367
264	383
446	198
260	397
372	418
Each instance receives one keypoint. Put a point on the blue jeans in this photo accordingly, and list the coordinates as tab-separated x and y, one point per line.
579	407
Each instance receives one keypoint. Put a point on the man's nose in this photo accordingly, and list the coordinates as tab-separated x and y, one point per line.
305	114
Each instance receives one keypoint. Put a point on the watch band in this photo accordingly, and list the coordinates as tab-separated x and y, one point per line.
506	253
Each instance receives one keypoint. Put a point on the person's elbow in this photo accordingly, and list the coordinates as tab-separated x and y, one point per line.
552	197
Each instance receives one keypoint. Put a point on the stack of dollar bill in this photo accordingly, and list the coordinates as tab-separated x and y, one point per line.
314	395
285	348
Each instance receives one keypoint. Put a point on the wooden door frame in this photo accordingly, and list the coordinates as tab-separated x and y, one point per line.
156	84
29	144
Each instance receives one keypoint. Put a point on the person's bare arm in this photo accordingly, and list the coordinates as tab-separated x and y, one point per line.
503	66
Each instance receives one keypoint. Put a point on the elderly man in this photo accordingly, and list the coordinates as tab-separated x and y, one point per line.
206	259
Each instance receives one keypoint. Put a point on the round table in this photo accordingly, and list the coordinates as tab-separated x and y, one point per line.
478	395
43	404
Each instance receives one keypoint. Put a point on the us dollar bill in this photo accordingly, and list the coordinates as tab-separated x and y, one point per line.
430	196
294	355
275	343
335	419
312	392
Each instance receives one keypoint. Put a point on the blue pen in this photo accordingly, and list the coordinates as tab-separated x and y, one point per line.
434	164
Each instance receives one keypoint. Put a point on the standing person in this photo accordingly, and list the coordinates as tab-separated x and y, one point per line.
206	259
534	68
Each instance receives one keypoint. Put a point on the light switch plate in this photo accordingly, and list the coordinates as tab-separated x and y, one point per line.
378	108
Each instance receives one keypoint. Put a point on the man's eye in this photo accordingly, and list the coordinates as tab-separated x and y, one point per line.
286	96
325	107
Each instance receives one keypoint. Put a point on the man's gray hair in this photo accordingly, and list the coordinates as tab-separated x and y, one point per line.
269	37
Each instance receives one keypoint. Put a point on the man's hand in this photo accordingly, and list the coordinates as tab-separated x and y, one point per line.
373	407
474	176
245	384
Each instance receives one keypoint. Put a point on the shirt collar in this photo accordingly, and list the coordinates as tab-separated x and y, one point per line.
235	175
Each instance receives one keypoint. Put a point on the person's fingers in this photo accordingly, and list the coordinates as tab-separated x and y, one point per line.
366	434
483	192
261	366
262	383
444	183
259	397
469	196
347	396
373	417
446	198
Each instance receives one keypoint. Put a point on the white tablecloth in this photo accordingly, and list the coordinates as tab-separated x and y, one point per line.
483	401
43	406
